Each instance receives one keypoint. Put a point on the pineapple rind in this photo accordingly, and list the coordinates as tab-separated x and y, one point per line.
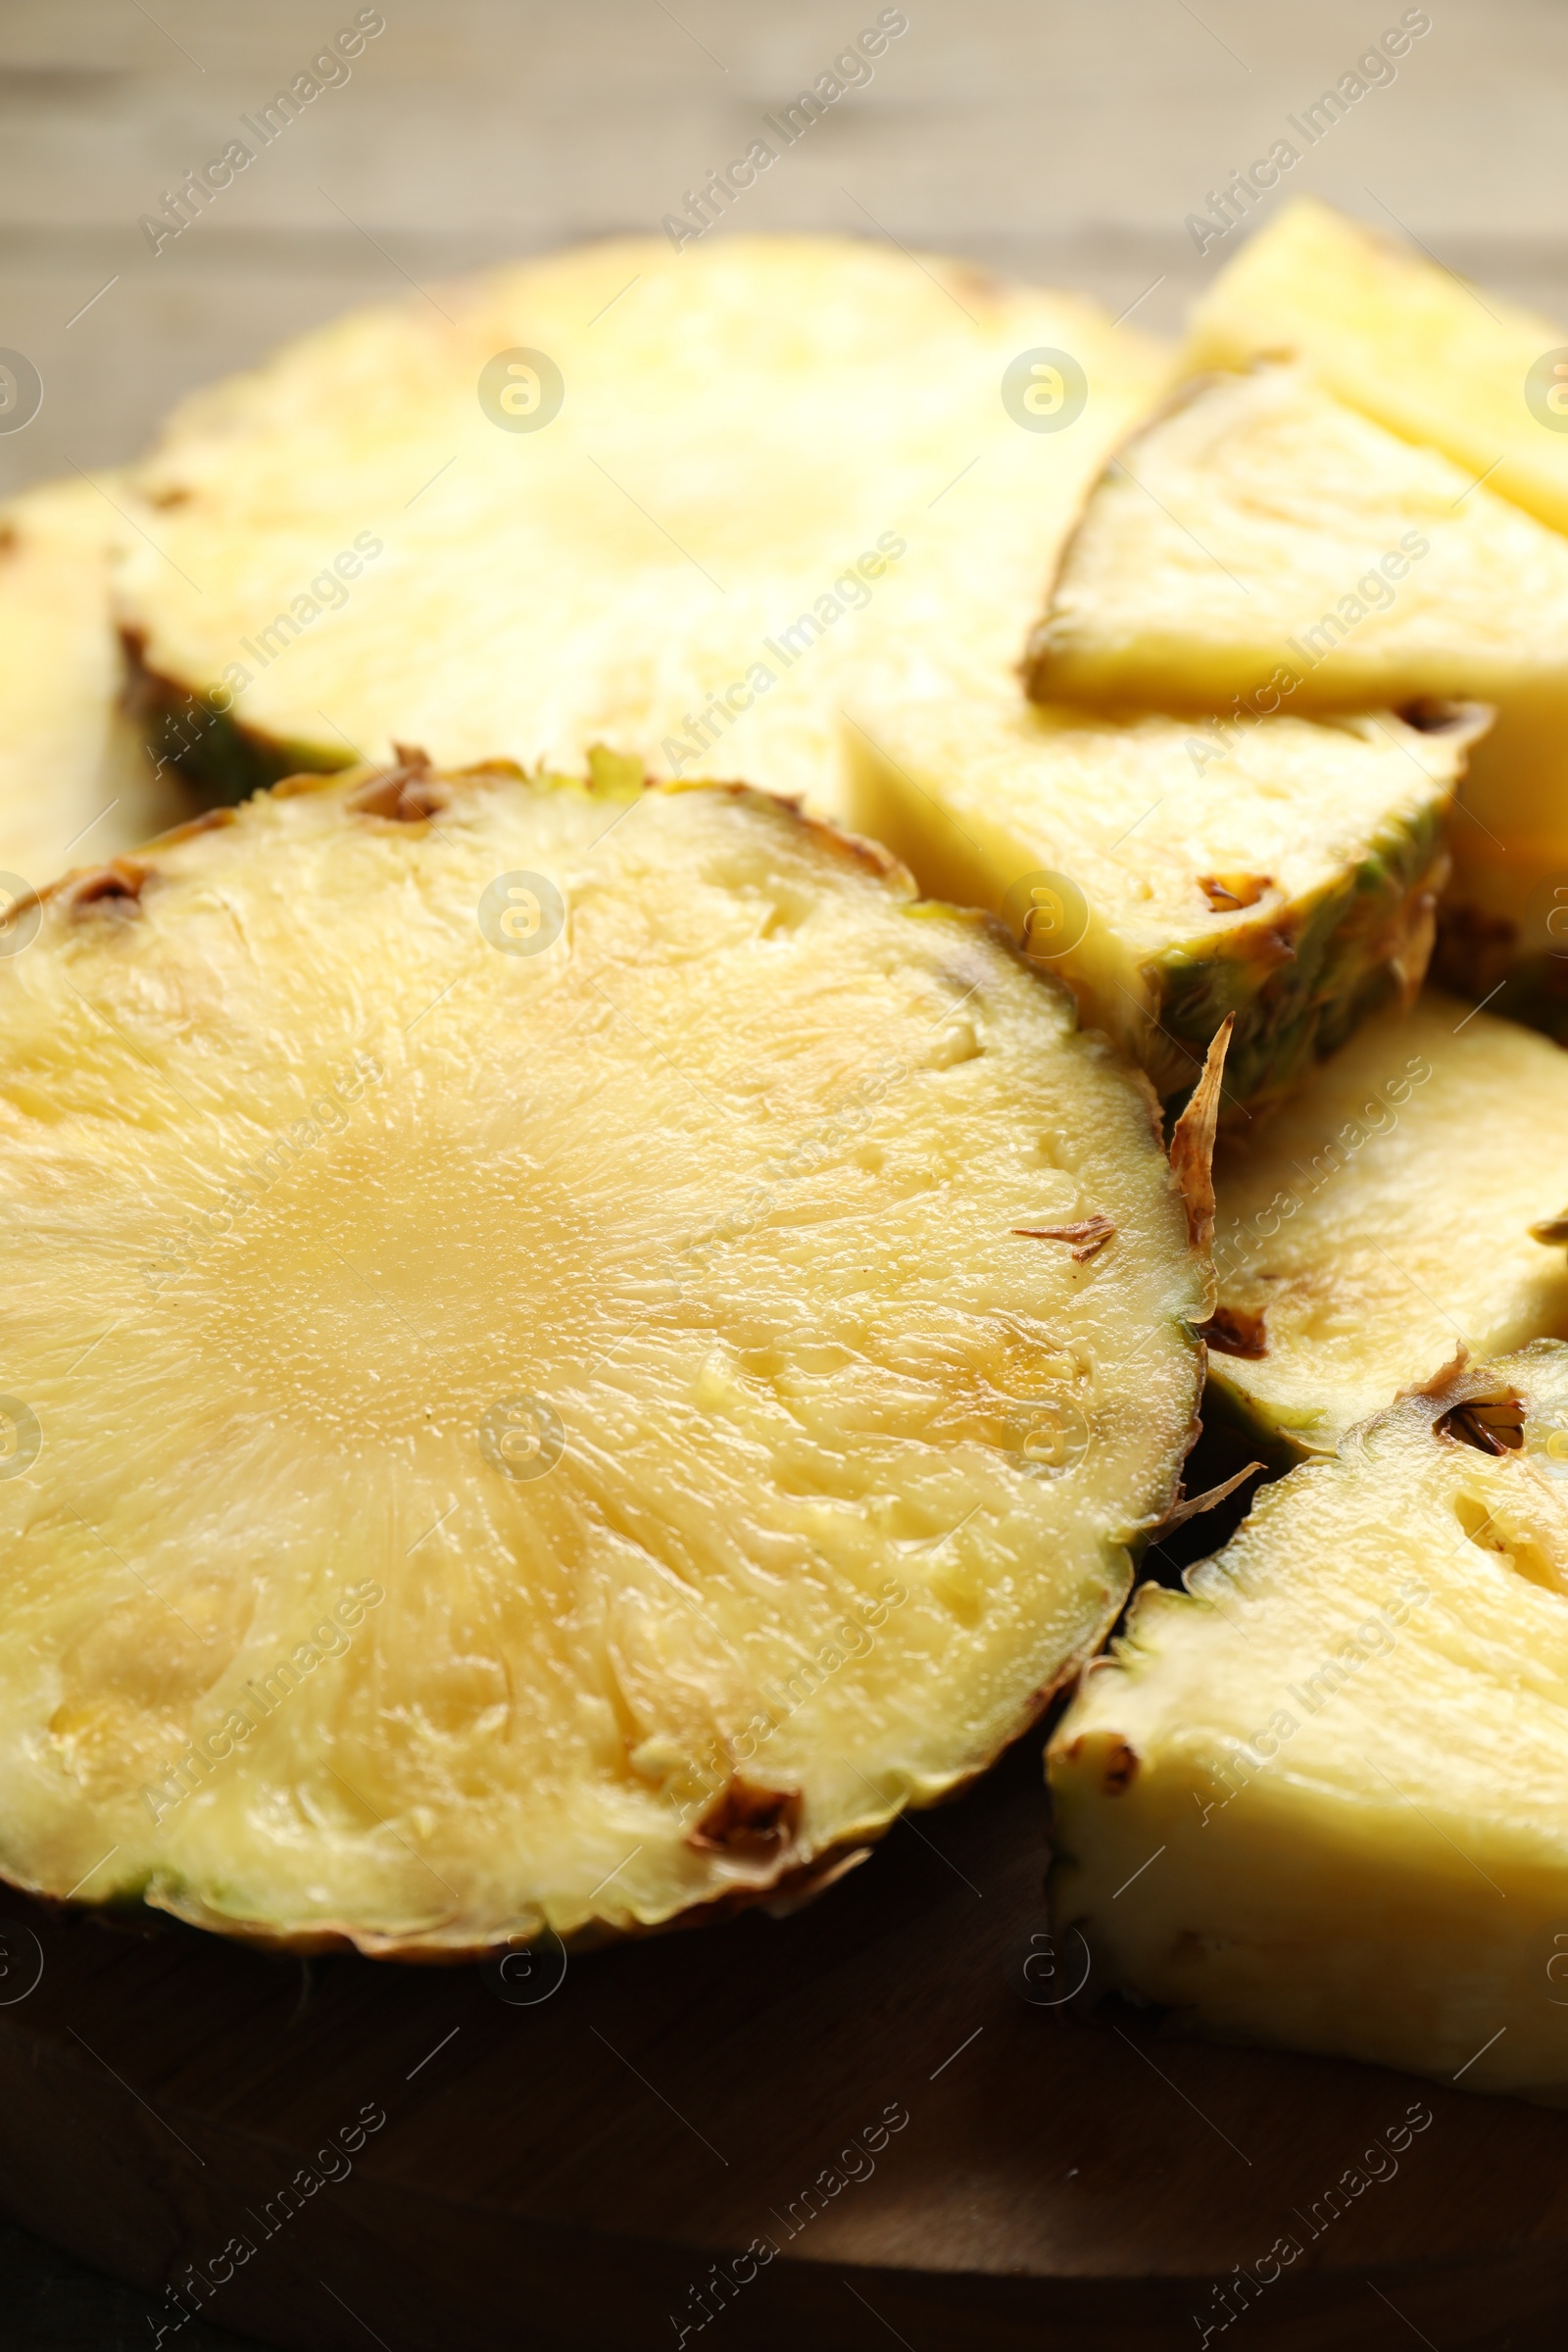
304	1178
223	761
1360	941
1318	1798
1532	989
1339	1221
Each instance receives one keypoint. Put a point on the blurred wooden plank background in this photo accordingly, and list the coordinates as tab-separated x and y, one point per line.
1068	141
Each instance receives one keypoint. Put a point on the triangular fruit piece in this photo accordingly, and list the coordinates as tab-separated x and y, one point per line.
1402	339
1350	1264
1289	879
1318	1798
1261	547
534	1398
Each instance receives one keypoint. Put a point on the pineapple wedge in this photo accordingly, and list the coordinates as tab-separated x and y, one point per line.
1318	1798
74	776
1402	340
1261	547
669	502
527	1404
1348	1261
1290	881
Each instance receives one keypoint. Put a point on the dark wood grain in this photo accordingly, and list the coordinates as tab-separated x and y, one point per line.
565	2174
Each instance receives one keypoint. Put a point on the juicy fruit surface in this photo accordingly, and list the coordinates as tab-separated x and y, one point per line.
1262	548
750	492
1244	530
1400	338
73	778
1382	1219
530	1409
1339	1757
1285	878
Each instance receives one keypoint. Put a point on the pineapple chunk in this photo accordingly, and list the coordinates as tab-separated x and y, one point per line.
1261	547
1319	1798
526	1407
1290	880
72	772
1350	1263
1403	340
777	464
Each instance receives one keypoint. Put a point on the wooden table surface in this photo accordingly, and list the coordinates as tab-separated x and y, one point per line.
1067	141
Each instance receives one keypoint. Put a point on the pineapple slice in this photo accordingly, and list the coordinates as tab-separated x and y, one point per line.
1318	1798
1290	881
1402	340
1350	1263
74	776
669	502
1261	547
527	1404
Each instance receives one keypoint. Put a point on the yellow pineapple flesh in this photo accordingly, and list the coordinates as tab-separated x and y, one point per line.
675	502
75	780
1288	877
1262	547
1394	334
1350	1263
1318	1798
530	1401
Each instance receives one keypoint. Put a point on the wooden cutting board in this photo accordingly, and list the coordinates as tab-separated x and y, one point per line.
883	2096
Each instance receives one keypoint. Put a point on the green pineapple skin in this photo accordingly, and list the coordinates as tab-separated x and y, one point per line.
1298	978
221	759
1242	1430
1345	946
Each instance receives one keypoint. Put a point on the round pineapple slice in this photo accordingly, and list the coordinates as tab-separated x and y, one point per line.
674	502
527	1407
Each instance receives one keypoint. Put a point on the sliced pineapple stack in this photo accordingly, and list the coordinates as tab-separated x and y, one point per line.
1261	547
1404	341
1392	333
700	507
1350	1265
1318	1798
75	780
1290	880
672	503
540	1393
